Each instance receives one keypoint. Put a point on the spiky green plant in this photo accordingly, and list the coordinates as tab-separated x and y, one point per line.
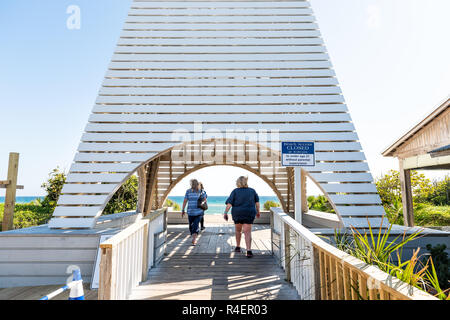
433	282
378	250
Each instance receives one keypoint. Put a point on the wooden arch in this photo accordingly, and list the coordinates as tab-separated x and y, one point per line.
158	176
202	166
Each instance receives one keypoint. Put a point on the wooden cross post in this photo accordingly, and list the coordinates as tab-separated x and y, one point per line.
11	186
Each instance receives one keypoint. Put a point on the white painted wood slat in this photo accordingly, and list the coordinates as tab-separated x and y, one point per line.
360	210
136	127
232	99
266	117
158	147
356	199
349	187
342	177
128	46
220	41
120	57
149	137
219	73
220	34
364	222
99	156
148	91
88	188
220	19
96	177
220	26
103	167
213	65
220	4
342	166
82	199
209	11
340	156
84	211
58	223
219	82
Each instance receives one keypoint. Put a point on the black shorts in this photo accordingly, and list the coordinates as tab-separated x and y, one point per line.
243	221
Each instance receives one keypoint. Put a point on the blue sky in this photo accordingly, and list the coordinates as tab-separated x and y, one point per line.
391	59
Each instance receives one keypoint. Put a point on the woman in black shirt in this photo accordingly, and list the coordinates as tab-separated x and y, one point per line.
244	202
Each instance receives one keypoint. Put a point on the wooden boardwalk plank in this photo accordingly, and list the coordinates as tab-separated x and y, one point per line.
211	270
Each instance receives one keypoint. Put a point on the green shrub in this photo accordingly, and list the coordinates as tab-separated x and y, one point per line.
125	199
28	215
424	191
320	203
442	264
270	204
173	204
53	187
441	192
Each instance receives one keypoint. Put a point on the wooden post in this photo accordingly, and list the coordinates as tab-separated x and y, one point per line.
145	253
142	184
271	230
106	276
304	196
287	252
407	200
298	194
152	173
10	195
316	267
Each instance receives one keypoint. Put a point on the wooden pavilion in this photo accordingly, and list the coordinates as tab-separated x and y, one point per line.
425	147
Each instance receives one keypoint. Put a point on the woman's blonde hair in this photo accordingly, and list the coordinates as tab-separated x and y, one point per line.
194	184
200	184
242	182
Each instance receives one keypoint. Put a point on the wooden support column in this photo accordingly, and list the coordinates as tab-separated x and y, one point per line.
152	173
10	195
298	194
407	199
287	252
142	184
304	196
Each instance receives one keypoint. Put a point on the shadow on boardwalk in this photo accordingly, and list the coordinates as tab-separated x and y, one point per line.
212	271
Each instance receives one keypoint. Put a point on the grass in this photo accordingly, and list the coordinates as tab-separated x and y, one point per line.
426	215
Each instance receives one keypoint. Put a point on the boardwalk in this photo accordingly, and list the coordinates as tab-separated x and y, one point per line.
211	271
208	271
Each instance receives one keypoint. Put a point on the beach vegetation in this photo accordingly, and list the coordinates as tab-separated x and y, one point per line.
320	203
270	204
374	247
172	204
431	200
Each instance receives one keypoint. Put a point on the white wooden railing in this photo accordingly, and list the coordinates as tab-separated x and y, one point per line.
127	256
319	271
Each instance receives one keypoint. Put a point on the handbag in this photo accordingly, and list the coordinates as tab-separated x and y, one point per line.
202	203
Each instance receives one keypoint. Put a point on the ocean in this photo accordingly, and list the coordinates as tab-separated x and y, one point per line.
216	204
23	199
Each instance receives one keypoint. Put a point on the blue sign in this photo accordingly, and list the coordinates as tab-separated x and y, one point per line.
297	154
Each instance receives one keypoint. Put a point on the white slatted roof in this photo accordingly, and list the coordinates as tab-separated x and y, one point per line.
230	65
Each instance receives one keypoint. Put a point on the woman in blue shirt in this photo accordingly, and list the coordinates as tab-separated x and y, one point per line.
194	212
244	202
